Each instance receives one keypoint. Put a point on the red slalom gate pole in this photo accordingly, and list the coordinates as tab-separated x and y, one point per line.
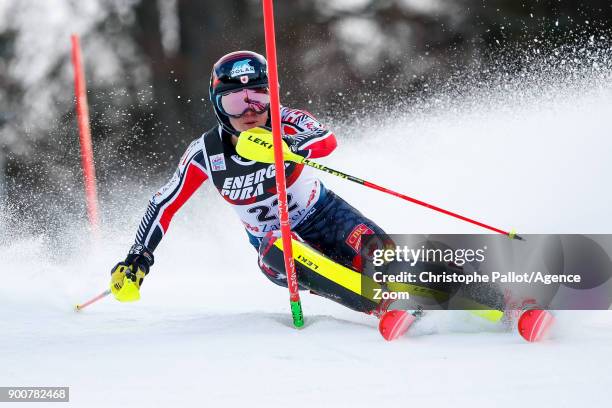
279	164
87	161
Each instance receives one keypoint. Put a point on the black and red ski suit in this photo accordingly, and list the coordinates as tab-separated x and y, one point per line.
317	215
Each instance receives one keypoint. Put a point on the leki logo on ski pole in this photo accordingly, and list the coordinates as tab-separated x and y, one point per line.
260	142
307	261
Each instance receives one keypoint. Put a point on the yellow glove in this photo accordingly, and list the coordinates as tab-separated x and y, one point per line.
125	284
127	276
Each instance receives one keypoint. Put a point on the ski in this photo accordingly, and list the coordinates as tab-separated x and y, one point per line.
534	324
394	324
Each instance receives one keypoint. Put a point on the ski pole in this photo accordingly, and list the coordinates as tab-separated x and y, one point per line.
510	234
256	144
80	307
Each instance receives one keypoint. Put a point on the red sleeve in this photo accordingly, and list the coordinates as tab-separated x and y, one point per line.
166	202
193	179
313	140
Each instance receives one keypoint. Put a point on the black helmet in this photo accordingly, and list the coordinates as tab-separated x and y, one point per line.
235	71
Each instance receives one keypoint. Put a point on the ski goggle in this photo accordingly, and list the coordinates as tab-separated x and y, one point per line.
235	104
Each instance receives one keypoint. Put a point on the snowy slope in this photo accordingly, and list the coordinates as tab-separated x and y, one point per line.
212	331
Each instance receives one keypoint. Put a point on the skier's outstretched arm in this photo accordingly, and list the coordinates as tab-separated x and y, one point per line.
127	276
306	135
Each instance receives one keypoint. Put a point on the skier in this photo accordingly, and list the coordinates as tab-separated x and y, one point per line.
329	233
329	227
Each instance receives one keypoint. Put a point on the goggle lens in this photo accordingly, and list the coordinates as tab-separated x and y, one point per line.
236	104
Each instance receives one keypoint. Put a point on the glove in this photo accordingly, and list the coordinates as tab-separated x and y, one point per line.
293	145
127	276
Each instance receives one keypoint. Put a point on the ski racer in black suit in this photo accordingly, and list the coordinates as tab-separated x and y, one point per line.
319	218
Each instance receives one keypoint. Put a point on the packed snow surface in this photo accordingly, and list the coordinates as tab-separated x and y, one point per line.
211	329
